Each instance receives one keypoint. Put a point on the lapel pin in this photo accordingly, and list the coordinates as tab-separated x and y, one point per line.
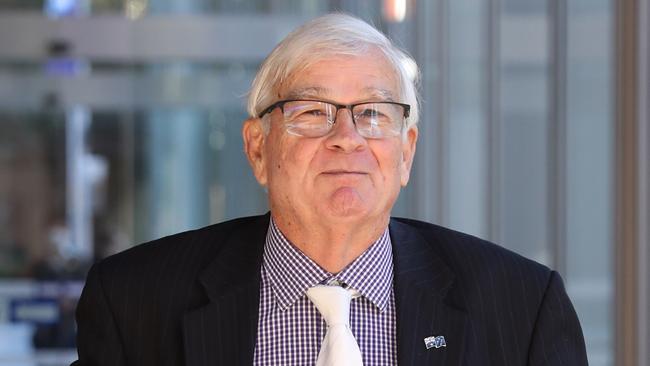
435	342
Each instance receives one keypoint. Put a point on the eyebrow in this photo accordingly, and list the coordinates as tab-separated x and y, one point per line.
308	92
383	94
315	92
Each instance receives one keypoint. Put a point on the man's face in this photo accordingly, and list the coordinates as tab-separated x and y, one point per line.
341	176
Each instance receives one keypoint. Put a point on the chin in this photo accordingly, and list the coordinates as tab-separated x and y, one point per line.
347	203
347	212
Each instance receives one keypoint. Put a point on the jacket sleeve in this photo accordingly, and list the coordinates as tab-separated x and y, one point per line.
557	336
98	339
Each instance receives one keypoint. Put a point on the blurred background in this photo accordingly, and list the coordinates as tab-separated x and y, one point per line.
120	123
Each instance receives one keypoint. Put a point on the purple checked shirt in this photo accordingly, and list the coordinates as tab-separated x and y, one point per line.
290	328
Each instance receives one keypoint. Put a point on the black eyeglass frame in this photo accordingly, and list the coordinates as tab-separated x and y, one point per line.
281	103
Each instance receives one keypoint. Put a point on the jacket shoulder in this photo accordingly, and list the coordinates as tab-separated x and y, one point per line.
475	259
193	248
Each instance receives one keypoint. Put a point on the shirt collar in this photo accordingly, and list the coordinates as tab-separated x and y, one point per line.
291	272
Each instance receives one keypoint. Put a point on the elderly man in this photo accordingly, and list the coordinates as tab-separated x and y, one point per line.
328	277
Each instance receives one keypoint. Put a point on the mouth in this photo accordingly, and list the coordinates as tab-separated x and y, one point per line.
343	172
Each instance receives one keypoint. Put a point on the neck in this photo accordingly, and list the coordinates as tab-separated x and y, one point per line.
332	246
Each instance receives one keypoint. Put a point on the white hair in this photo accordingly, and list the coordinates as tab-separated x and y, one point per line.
326	36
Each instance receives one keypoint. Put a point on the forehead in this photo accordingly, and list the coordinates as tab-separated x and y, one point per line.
368	76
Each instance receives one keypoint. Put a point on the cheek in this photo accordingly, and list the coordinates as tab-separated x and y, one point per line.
389	159
287	158
279	151
290	159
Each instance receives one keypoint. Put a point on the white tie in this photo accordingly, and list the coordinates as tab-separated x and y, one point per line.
339	348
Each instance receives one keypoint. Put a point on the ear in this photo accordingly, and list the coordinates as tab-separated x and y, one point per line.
408	152
254	139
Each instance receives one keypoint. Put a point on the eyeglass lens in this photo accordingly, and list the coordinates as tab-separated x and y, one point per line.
315	118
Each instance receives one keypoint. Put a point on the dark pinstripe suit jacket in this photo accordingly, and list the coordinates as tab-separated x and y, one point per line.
192	299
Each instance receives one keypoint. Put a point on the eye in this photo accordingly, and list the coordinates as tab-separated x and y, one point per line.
317	112
311	114
305	111
372	115
369	112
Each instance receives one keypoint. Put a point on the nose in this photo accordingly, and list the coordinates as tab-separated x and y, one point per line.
344	135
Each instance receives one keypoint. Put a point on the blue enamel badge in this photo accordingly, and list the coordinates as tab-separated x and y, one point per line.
435	342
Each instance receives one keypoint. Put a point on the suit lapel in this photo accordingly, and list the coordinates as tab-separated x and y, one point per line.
423	283
223	332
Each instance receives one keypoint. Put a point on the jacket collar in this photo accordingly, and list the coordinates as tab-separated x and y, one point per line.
223	332
425	307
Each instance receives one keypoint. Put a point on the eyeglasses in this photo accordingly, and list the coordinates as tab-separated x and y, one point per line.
315	118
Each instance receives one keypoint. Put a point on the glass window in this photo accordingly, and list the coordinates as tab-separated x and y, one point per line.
590	173
522	132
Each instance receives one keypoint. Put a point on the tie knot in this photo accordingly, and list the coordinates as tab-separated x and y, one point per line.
333	303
